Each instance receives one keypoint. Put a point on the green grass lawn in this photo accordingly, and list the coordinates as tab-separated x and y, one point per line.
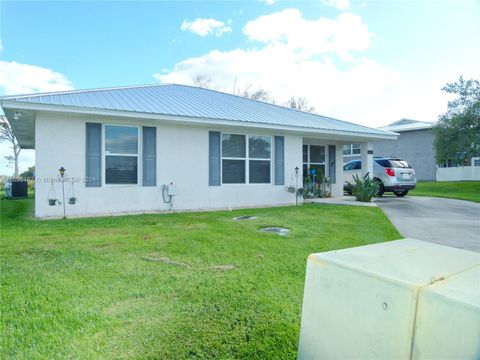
463	190
95	288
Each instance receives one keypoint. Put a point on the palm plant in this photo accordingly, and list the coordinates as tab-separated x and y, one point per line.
364	188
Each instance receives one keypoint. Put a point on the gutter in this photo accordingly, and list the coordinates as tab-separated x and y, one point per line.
12	104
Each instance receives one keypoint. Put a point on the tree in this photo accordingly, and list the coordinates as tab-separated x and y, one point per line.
300	103
249	92
259	94
457	133
7	135
202	81
30	173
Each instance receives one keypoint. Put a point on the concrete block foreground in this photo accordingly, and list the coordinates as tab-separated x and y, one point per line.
404	299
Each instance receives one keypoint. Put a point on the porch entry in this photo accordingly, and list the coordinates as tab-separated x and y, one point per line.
318	170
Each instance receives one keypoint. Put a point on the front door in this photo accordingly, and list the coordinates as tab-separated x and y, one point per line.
313	169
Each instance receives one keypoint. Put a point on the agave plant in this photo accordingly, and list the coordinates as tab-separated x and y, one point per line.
364	188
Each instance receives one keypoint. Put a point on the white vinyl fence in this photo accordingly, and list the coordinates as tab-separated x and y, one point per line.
458	173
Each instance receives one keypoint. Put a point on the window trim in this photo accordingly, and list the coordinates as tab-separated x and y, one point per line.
138	155
247	158
309	163
350	149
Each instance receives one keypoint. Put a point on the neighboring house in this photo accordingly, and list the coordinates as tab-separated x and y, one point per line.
414	144
121	145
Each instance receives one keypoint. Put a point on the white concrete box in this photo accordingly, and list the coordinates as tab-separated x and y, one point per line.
390	300
448	318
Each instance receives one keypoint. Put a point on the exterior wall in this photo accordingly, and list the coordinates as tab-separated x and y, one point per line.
367	159
182	158
414	146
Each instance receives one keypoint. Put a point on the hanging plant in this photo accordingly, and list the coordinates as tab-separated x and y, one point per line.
71	195
52	197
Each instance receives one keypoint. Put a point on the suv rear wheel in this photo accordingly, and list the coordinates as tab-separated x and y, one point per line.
401	193
381	188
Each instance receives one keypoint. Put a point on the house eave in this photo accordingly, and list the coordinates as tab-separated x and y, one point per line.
339	134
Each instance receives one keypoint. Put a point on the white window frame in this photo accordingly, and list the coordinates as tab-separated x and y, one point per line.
308	163
351	147
104	154
246	158
473	160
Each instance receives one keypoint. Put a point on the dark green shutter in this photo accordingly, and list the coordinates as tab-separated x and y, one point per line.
214	158
279	160
94	155
332	162
149	156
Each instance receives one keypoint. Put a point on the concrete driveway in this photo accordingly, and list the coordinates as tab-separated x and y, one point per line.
443	221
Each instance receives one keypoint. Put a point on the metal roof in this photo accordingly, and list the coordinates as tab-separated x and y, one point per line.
407	125
189	101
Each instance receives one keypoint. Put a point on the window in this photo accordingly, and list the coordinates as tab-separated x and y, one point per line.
398	163
121	154
259	152
352	165
393	163
240	150
351	149
313	159
383	163
233	159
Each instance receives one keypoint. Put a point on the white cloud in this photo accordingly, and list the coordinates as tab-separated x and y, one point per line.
299	57
339	4
268	2
285	73
322	60
17	78
341	35
204	27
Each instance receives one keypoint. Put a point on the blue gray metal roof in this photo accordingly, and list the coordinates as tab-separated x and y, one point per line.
189	101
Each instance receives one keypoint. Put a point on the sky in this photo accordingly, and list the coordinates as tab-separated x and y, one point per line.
368	62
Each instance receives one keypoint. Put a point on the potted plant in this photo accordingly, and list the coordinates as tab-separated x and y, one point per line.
52	202
72	200
291	189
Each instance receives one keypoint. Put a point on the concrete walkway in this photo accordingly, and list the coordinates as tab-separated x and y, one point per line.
344	200
443	221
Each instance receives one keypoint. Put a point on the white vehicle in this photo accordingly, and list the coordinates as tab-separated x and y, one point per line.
392	174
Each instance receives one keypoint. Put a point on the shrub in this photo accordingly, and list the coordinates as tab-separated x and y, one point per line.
364	188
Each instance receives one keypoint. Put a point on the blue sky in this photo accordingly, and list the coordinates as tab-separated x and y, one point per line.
369	62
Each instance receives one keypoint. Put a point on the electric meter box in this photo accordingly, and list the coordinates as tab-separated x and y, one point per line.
172	190
402	299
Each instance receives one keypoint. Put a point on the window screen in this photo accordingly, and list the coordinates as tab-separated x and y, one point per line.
121	154
317	154
235	159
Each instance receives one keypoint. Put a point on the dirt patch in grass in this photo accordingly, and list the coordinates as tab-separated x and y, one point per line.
224	267
165	260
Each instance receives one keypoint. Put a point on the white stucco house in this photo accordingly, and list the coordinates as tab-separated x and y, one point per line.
120	145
